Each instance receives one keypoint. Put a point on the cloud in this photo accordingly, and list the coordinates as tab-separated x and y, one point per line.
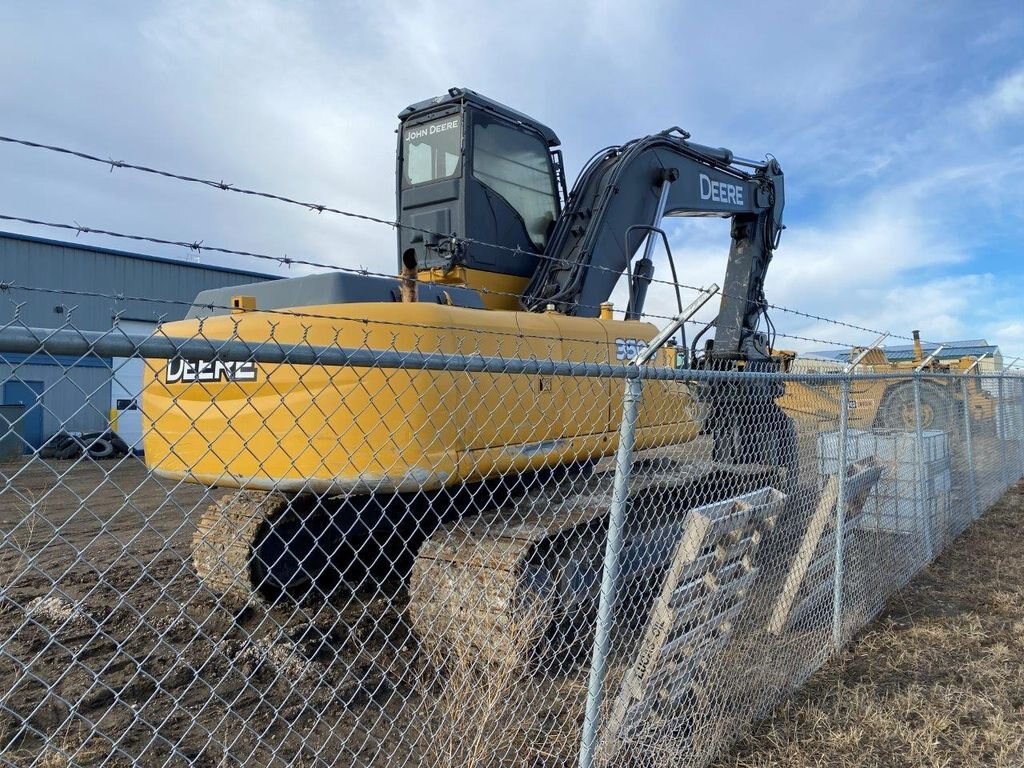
1004	101
1011	341
897	205
880	264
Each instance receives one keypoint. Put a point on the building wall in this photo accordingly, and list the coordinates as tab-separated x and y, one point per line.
11	445
991	364
53	284
151	288
76	397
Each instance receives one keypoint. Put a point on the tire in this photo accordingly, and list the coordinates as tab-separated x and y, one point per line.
70	451
100	448
49	451
55	445
120	446
938	409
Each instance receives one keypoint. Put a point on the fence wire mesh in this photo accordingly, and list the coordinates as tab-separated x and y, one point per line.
393	545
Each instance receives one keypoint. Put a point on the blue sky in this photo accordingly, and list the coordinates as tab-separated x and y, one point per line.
900	127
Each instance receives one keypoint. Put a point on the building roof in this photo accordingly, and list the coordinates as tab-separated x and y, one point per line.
952	350
141	256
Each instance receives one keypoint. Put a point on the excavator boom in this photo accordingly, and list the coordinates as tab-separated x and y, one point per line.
490	176
625	192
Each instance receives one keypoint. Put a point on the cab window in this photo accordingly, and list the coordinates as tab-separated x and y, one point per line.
432	151
516	164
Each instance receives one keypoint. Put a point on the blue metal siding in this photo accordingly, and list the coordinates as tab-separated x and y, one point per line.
949	352
75	399
12	440
14	359
152	288
76	394
84	248
952	350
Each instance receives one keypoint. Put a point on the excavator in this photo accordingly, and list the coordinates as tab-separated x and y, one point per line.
496	257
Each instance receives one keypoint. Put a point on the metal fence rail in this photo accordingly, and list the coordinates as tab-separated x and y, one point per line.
375	549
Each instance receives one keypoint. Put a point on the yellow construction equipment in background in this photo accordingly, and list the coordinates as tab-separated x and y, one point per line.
888	403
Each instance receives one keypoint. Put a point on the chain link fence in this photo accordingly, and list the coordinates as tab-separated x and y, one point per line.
381	546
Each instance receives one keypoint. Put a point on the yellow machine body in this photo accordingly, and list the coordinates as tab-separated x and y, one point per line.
868	396
351	430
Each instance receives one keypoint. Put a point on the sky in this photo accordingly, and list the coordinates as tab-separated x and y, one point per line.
900	128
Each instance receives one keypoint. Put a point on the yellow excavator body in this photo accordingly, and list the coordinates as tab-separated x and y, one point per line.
347	430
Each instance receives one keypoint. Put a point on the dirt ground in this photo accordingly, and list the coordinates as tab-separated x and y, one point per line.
937	680
113	652
120	655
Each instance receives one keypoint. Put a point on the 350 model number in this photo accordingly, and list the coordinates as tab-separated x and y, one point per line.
627	349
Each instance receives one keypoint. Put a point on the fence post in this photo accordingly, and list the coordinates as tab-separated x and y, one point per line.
1020	427
1017	429
972	485
923	510
837	586
620	498
602	635
1001	434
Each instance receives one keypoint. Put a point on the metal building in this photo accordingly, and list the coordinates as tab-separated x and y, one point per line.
948	351
50	284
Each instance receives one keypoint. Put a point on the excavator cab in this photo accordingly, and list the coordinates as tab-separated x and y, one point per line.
473	169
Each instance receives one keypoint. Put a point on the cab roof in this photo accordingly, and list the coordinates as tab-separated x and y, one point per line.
465	95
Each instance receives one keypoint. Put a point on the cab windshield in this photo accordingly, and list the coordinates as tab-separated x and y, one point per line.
432	151
517	166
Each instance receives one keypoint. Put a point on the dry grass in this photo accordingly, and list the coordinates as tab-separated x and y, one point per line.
15	562
484	714
937	681
69	747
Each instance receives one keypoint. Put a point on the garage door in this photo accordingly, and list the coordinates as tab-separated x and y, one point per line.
126	388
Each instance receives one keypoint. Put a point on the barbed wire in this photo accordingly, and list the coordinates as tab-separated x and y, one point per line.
290	313
199	245
324	208
597	343
6	285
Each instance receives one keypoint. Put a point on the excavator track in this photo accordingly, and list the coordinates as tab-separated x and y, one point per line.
525	580
465	586
222	544
511	583
261	546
